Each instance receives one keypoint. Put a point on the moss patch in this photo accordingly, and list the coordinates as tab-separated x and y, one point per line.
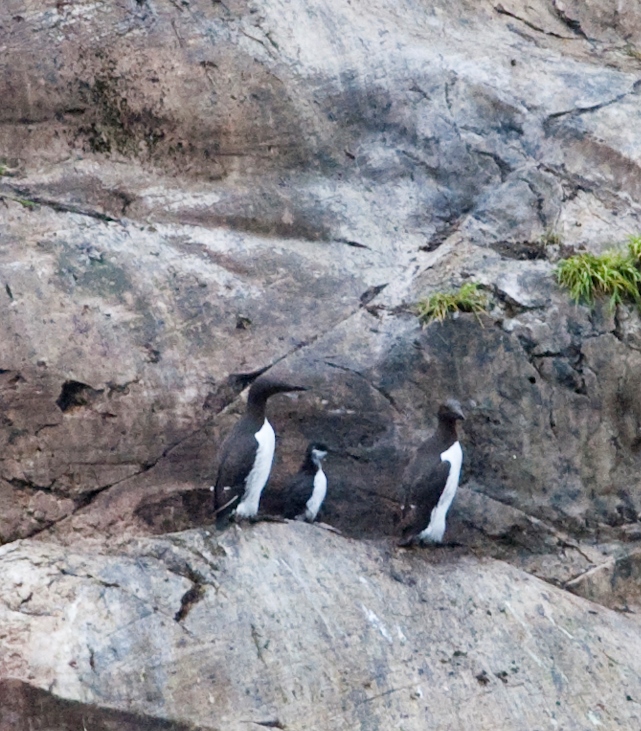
118	127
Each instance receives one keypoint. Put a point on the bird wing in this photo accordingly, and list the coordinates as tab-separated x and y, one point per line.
232	471
415	472
296	493
422	494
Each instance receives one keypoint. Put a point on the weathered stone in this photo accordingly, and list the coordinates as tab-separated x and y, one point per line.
614	582
292	626
25	708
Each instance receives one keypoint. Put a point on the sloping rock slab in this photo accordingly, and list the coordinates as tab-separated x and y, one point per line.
291	626
25	708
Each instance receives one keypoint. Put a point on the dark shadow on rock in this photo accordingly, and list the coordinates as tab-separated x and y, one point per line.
25	708
177	512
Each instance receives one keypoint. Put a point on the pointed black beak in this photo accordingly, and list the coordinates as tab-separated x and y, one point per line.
282	387
291	389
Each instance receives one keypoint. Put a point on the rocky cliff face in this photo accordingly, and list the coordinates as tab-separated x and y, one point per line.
195	191
289	626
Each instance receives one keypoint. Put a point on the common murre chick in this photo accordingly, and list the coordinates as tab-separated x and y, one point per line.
303	495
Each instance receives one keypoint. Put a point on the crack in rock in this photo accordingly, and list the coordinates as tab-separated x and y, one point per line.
378	389
571	23
349	242
260	648
503	11
22	195
578	111
189	600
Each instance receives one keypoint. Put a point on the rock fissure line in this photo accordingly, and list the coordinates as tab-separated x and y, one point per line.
378	389
20	609
195	576
25	484
536	522
578	111
540	201
504	167
383	694
378	495
25	198
270	53
577	183
257	639
189	599
350	242
37	431
503	11
91	577
585	572
276	723
572	24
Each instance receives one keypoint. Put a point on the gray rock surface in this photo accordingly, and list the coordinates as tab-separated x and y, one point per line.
290	626
193	191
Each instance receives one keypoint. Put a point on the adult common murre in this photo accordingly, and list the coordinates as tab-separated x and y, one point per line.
431	480
247	454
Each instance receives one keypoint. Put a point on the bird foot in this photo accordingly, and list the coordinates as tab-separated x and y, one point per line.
406	542
446	544
415	542
268	519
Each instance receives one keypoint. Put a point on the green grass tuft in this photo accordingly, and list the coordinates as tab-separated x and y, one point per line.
469	298
26	203
615	274
633	52
634	249
551	237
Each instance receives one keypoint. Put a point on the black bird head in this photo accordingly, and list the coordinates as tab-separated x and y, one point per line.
317	451
450	411
315	454
263	388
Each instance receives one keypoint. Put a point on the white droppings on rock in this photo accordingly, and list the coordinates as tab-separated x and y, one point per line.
376	623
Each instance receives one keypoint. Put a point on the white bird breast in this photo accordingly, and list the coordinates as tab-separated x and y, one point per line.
257	478
436	528
318	495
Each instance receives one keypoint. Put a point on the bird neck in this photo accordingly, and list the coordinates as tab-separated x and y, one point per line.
308	465
256	409
446	431
317	463
311	464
